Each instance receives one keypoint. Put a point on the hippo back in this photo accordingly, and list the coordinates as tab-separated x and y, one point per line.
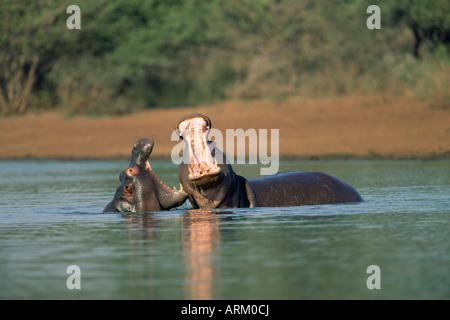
293	188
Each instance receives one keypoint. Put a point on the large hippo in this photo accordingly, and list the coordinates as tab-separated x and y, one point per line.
140	188
211	182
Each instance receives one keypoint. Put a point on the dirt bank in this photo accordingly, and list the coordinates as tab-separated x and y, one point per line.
356	126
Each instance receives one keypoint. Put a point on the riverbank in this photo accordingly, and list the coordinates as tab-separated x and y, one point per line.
359	126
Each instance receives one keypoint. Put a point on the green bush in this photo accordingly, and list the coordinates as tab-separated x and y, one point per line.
137	54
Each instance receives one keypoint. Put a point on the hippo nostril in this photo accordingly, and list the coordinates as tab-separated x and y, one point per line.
128	189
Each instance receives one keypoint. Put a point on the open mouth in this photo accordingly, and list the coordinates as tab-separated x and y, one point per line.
201	162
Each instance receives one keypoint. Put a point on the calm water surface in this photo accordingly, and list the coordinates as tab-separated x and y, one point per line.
50	219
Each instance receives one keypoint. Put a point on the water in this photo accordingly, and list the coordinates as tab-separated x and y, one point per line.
50	219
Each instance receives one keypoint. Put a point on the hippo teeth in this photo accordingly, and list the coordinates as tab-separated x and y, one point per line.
175	188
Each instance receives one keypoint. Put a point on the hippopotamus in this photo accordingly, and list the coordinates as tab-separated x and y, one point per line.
140	188
210	181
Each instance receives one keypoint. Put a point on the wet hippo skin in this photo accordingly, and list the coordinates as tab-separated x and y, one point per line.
140	188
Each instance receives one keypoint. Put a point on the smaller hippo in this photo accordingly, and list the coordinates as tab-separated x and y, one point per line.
140	188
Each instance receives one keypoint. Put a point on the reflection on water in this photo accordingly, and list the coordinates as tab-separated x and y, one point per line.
200	240
50	219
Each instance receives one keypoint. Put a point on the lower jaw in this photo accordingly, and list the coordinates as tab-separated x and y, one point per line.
126	206
198	175
206	179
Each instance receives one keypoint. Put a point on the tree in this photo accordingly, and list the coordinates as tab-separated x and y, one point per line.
429	20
